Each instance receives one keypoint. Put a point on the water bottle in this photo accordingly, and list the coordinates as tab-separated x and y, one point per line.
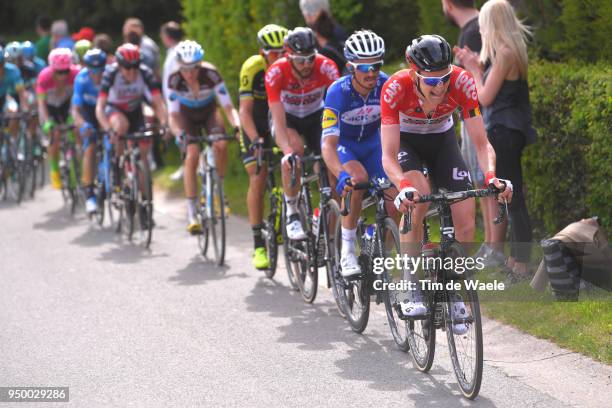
315	222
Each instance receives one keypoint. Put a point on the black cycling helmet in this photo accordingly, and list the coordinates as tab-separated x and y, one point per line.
301	40
429	53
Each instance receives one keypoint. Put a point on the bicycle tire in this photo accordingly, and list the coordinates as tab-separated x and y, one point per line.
147	228
35	165
286	250
397	326
333	256
422	333
356	292
203	238
469	388
74	184
101	202
308	277
21	180
217	218
130	200
270	238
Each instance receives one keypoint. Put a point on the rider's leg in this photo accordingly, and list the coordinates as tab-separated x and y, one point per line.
192	156
89	146
120	125
293	223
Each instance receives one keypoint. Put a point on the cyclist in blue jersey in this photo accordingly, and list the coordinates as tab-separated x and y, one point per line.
84	99
11	83
350	140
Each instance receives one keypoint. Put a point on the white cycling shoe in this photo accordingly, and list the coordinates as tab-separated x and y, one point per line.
90	205
295	230
459	311
413	309
349	265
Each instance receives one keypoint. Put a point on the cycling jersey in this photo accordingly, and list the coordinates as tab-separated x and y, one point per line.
85	96
11	80
127	96
401	104
348	115
253	86
47	87
303	98
211	87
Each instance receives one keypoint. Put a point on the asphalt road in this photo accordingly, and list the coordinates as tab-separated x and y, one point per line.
121	326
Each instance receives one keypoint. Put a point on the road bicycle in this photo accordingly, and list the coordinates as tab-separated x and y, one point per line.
69	167
211	207
271	226
16	164
303	258
374	242
463	325
104	190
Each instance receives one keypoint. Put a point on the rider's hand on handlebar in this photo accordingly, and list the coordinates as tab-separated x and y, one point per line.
343	185
407	197
505	187
285	161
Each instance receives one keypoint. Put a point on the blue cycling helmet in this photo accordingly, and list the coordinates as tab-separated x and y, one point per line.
95	58
28	50
12	51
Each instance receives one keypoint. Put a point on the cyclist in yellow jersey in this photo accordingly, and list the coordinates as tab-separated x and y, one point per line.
256	129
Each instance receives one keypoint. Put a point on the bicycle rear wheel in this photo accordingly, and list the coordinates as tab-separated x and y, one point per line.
397	326
290	257
270	237
145	209
333	256
217	218
464	332
307	273
354	294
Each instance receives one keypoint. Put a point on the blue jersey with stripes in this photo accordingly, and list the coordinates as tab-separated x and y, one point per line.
11	81
85	90
349	115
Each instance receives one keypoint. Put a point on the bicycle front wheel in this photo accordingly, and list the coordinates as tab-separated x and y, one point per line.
291	257
270	236
146	205
464	332
334	236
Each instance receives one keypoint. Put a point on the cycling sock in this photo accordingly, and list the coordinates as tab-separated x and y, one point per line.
348	240
192	208
291	205
53	164
258	240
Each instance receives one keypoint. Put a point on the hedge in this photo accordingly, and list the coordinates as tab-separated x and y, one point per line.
568	171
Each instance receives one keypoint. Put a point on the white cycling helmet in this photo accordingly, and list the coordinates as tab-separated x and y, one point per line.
189	52
364	44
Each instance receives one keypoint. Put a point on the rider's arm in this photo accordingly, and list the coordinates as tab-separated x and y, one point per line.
175	123
100	114
484	151
23	98
390	140
41	99
77	102
246	118
328	150
76	115
280	127
225	101
160	108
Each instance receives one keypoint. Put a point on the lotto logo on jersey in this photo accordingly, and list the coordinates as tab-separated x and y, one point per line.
391	92
329	119
272	74
467	84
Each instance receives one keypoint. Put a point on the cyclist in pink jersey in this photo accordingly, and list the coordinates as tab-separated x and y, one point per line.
296	86
54	92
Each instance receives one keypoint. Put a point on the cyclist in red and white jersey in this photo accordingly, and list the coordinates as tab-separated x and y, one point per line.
418	130
122	93
296	86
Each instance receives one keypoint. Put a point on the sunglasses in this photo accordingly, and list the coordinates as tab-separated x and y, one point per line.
63	72
435	81
277	52
303	59
130	66
369	67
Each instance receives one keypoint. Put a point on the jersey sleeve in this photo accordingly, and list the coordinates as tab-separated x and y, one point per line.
42	83
17	80
465	93
150	81
331	112
392	93
77	92
222	94
274	79
329	70
107	80
247	76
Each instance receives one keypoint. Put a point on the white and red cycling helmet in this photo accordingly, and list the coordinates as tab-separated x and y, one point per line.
60	59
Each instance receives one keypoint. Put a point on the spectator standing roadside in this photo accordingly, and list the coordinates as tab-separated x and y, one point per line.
312	10
503	93
60	36
329	45
105	43
43	29
464	14
133	32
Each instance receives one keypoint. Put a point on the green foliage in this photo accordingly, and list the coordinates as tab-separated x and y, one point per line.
567	171
432	21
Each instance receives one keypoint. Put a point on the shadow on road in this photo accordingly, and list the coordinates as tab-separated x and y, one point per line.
59	219
127	252
201	270
372	357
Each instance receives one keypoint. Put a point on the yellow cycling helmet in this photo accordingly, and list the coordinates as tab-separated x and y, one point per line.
271	37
